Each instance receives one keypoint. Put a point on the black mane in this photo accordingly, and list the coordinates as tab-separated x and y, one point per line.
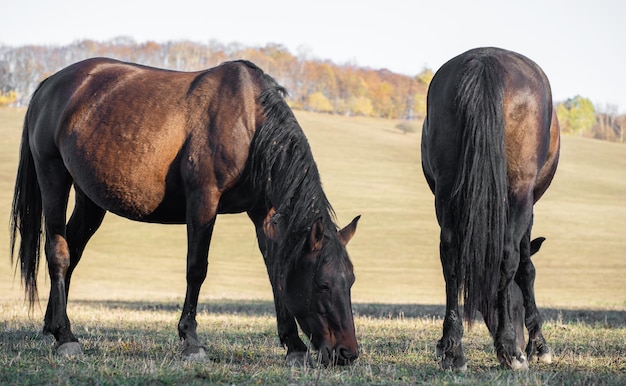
284	173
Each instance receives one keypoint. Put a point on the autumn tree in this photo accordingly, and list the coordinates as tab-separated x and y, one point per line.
360	106
608	125
8	98
318	102
313	84
422	81
576	115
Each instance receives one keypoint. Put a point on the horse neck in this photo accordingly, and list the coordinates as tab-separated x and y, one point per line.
283	168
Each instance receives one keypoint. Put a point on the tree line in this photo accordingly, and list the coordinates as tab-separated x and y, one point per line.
314	84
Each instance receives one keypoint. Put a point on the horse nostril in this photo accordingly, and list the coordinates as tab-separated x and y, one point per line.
345	355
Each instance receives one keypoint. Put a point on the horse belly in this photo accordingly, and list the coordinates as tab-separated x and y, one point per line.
126	195
135	181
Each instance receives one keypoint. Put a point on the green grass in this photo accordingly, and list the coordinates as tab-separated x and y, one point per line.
127	288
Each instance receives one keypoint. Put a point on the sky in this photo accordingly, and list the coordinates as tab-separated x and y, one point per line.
581	45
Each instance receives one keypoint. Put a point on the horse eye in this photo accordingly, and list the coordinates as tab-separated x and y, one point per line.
323	287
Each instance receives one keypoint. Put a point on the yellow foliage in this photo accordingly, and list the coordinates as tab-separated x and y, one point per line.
8	98
419	105
361	106
318	102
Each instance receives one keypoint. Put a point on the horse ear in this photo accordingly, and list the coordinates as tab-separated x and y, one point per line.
270	225
536	244
346	233
316	237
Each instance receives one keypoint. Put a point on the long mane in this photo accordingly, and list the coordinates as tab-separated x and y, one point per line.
284	172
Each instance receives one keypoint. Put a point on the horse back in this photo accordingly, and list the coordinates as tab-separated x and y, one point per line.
137	139
531	130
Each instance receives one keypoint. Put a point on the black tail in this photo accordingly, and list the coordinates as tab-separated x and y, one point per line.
26	217
480	193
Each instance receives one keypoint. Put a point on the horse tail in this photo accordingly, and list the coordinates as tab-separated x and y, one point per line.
480	192
26	218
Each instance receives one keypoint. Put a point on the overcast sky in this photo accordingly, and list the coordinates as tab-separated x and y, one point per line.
581	45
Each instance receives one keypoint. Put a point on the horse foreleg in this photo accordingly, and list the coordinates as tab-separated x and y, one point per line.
198	239
517	308
449	347
537	346
507	343
297	352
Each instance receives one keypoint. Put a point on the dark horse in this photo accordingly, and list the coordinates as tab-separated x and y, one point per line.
174	147
490	148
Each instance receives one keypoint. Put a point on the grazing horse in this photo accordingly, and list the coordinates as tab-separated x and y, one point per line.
170	147
490	148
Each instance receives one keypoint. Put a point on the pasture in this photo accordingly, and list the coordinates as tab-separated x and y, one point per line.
127	290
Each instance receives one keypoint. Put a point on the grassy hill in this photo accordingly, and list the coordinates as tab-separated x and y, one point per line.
368	167
127	290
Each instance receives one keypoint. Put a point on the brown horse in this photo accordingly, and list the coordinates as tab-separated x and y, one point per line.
174	147
490	148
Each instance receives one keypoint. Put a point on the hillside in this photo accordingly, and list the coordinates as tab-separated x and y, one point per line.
370	168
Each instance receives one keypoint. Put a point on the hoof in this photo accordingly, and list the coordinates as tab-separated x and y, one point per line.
454	365
462	368
542	354
519	363
194	354
545	357
450	362
69	349
438	352
299	359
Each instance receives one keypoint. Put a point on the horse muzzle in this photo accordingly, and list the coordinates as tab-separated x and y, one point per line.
340	355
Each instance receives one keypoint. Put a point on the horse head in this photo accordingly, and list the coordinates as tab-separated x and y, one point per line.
317	289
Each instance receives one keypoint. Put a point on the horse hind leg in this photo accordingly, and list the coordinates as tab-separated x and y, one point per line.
55	184
85	220
449	347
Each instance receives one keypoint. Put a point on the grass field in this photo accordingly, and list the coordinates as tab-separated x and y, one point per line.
126	291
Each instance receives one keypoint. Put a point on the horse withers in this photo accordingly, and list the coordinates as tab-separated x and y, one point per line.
490	148
172	147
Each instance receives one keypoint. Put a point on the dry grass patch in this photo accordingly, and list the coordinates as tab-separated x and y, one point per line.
136	342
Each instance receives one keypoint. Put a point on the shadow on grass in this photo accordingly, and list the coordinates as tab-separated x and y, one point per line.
604	318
